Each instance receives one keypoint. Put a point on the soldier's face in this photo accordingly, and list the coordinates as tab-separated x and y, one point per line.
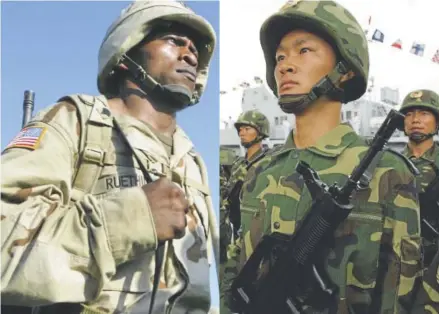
419	121
247	133
302	59
171	57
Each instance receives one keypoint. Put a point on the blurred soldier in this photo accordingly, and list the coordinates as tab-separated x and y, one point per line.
105	203
316	59
227	158
421	109
252	127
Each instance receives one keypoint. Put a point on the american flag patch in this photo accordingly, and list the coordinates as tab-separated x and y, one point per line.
28	138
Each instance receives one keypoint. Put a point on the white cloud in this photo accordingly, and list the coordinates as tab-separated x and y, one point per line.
241	56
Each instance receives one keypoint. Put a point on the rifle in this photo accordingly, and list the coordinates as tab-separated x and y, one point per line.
28	106
295	277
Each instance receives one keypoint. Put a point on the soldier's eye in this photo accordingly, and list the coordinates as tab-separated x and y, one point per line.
280	58
303	50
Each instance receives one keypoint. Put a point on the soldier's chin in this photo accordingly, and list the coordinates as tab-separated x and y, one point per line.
246	144
180	95
417	137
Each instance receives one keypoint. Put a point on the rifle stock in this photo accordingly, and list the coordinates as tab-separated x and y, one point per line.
292	276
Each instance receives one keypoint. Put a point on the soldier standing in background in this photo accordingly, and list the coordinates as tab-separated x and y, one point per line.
421	110
105	204
227	158
316	59
252	127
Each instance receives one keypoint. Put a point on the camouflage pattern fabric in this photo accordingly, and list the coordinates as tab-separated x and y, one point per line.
223	180
238	173
227	156
100	249
425	164
328	19
256	119
428	296
384	224
135	22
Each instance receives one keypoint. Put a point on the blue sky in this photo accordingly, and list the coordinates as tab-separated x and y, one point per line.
52	49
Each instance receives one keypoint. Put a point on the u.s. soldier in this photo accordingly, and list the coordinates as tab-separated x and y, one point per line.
105	203
316	59
421	110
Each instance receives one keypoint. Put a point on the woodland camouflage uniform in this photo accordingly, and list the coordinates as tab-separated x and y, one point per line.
383	229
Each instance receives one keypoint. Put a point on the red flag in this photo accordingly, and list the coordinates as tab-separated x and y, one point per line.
397	44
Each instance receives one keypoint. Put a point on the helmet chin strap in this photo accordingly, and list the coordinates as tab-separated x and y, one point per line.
251	143
179	96
299	102
419	137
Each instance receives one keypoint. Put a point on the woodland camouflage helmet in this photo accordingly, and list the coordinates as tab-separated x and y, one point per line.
133	25
255	119
333	23
422	99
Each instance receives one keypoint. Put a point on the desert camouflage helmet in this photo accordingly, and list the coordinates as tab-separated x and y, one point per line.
256	119
227	156
135	23
330	21
421	98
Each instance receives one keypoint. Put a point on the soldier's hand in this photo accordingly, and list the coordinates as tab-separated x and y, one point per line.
169	207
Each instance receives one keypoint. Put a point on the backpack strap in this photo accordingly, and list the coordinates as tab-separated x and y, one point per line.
96	124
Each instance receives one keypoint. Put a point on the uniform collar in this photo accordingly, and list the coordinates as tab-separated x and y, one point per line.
331	144
256	155
428	155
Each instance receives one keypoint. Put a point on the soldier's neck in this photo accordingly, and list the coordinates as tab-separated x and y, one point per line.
253	150
161	119
317	120
419	149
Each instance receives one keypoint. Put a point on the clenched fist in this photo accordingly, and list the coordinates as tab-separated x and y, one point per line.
169	207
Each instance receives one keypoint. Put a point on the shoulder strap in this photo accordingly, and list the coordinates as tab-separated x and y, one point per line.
96	124
406	160
251	163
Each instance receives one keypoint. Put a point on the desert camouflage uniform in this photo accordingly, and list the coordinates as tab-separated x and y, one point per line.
76	225
428	166
375	257
61	246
